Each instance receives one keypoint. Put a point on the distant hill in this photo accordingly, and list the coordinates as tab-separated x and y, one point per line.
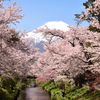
40	46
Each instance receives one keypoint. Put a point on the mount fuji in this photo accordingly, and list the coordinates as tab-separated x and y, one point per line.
38	38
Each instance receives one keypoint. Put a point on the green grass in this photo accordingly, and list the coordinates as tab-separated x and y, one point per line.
94	95
49	87
75	93
45	84
71	92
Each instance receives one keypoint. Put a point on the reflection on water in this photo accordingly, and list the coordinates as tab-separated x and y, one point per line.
33	94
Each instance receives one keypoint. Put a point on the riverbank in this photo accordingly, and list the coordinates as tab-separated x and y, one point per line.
10	88
71	92
11	94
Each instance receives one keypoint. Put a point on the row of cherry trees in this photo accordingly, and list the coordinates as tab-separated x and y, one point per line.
75	53
15	53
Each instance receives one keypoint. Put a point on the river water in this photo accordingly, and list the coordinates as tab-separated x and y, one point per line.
36	93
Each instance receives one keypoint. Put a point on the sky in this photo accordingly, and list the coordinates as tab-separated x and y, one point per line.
39	12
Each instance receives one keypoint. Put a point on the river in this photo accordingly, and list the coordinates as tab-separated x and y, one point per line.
36	93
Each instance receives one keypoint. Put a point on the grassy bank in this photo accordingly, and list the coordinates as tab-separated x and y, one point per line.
9	88
71	92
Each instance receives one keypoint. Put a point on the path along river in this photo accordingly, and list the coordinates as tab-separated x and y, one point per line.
36	93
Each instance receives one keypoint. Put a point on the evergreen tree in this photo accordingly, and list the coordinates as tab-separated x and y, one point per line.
88	4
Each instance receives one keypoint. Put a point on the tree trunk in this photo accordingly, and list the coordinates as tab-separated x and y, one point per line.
76	82
80	84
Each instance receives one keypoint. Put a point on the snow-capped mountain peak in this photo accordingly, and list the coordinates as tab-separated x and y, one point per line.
38	37
56	25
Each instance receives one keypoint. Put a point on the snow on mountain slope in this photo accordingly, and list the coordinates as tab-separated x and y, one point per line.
38	37
56	25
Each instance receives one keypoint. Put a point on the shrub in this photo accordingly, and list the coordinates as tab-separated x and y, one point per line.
7	82
60	83
3	94
23	85
54	92
50	86
45	83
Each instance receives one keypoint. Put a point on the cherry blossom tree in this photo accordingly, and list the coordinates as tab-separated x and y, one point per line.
15	54
76	51
92	14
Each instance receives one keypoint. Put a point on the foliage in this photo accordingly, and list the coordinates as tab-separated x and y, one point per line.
45	83
90	14
3	94
88	3
6	94
23	85
75	51
88	44
7	82
50	87
90	95
14	51
76	93
71	92
30	80
54	92
60	83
